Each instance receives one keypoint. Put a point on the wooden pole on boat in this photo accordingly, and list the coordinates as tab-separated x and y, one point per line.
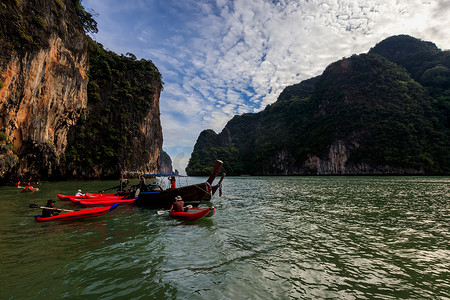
221	178
215	171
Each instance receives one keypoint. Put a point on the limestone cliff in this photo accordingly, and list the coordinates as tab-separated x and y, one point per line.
43	81
165	163
54	123
334	161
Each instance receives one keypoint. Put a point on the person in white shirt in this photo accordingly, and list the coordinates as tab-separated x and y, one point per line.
79	193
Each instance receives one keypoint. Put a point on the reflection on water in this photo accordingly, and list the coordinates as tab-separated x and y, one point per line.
271	238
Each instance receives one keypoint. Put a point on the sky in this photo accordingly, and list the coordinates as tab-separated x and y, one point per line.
223	58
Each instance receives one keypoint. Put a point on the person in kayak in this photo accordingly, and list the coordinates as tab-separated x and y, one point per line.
123	184
79	193
179	204
50	210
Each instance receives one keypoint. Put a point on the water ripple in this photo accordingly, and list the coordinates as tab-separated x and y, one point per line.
271	238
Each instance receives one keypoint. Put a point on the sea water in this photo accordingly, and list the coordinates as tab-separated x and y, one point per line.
271	238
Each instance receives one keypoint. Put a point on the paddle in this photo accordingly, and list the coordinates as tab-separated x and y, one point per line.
59	209
161	212
116	187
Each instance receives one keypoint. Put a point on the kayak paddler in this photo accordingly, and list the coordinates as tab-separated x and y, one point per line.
179	204
50	210
79	193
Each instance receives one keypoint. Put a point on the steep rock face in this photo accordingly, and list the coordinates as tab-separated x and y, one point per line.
43	81
151	141
165	163
336	162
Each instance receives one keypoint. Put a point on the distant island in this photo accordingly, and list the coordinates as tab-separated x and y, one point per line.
381	113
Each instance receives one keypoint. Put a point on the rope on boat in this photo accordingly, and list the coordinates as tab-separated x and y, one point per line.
208	187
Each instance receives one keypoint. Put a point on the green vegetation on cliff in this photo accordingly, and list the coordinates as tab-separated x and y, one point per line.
122	91
428	65
29	27
366	114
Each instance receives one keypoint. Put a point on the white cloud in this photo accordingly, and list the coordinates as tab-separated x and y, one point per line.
224	58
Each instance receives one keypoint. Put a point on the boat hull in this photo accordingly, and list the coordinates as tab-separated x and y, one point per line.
80	214
191	194
193	214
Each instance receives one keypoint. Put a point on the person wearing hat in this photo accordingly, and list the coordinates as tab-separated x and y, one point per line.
179	204
79	193
49	210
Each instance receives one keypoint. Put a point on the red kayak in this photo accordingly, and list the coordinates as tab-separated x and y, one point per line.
91	203
28	188
85	213
89	196
92	195
192	214
109	198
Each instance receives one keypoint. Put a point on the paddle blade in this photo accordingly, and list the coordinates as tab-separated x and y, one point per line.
161	212
34	206
113	206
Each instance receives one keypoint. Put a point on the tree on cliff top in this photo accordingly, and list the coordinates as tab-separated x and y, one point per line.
86	18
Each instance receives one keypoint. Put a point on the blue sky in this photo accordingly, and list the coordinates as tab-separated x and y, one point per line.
224	58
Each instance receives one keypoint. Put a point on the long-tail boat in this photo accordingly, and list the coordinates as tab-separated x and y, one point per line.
191	194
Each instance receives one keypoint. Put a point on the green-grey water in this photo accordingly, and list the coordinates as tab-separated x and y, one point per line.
271	238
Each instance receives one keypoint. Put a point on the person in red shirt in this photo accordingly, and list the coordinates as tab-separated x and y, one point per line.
178	205
173	182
